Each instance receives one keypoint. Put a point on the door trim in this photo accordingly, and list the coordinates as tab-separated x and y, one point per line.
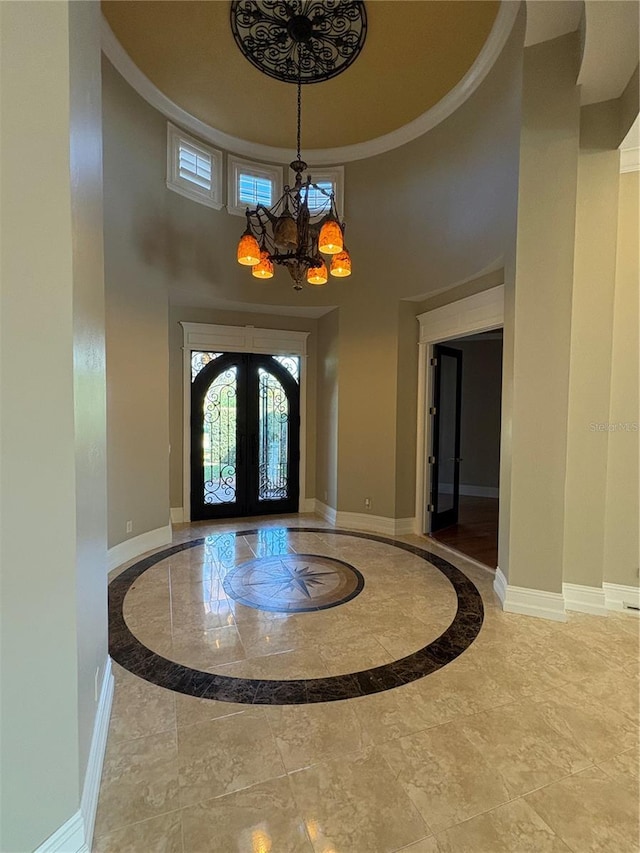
250	339
478	313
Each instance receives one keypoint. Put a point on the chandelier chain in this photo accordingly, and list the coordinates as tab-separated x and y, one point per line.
295	231
299	103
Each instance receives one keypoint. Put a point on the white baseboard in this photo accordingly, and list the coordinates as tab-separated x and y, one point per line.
500	586
91	787
405	526
132	548
325	511
68	838
365	521
529	602
622	598
76	834
584	599
177	514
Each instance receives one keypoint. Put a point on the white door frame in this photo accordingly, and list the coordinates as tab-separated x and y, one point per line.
478	313
208	337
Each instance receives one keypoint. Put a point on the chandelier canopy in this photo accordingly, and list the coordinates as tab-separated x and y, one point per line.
301	42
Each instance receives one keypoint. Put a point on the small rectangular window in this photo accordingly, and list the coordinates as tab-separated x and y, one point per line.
317	200
193	168
250	184
253	190
330	179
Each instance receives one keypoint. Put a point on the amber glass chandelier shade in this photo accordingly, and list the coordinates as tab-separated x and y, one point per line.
330	240
318	275
341	264
263	269
248	250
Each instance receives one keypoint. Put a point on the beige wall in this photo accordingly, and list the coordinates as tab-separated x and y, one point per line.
406	410
480	417
591	341
89	381
434	213
136	282
621	547
327	409
180	314
542	313
52	423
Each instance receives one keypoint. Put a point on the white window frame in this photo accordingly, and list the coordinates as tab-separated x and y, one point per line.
236	165
335	174
209	197
207	337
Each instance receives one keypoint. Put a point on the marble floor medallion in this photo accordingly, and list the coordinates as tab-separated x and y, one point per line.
289	583
295	583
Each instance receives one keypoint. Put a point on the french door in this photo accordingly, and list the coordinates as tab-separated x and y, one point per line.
245	435
445	459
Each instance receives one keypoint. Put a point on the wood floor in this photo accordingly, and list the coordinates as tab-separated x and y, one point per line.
476	533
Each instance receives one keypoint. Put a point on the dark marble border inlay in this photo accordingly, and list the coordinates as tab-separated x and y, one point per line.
130	653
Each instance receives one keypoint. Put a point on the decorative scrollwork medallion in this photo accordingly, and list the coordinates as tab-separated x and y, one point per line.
309	40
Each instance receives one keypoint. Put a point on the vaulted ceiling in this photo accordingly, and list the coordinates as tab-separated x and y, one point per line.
414	54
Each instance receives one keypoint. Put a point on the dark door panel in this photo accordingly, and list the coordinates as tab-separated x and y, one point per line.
445	465
244	438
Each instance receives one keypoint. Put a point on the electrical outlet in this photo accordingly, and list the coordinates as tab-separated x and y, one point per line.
367	503
129	526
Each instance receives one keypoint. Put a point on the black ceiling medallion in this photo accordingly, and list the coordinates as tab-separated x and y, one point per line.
303	40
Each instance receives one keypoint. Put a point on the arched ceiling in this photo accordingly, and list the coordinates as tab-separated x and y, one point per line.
414	54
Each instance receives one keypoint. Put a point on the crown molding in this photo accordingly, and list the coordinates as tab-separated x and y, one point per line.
485	60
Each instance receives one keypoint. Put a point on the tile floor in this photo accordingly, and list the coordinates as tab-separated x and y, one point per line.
526	743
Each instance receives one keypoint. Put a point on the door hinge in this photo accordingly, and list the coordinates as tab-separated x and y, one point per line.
431	508
432	410
433	362
431	460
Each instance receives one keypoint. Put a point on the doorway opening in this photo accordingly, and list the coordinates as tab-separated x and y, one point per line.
245	434
464	459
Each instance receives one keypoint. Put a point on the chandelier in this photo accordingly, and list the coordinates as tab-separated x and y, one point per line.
304	41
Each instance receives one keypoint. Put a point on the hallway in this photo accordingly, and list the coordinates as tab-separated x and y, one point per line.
476	533
521	737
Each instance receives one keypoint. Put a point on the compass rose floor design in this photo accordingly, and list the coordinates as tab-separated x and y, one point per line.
296	583
524	739
203	639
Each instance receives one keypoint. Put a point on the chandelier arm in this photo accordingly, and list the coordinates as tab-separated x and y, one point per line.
260	211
